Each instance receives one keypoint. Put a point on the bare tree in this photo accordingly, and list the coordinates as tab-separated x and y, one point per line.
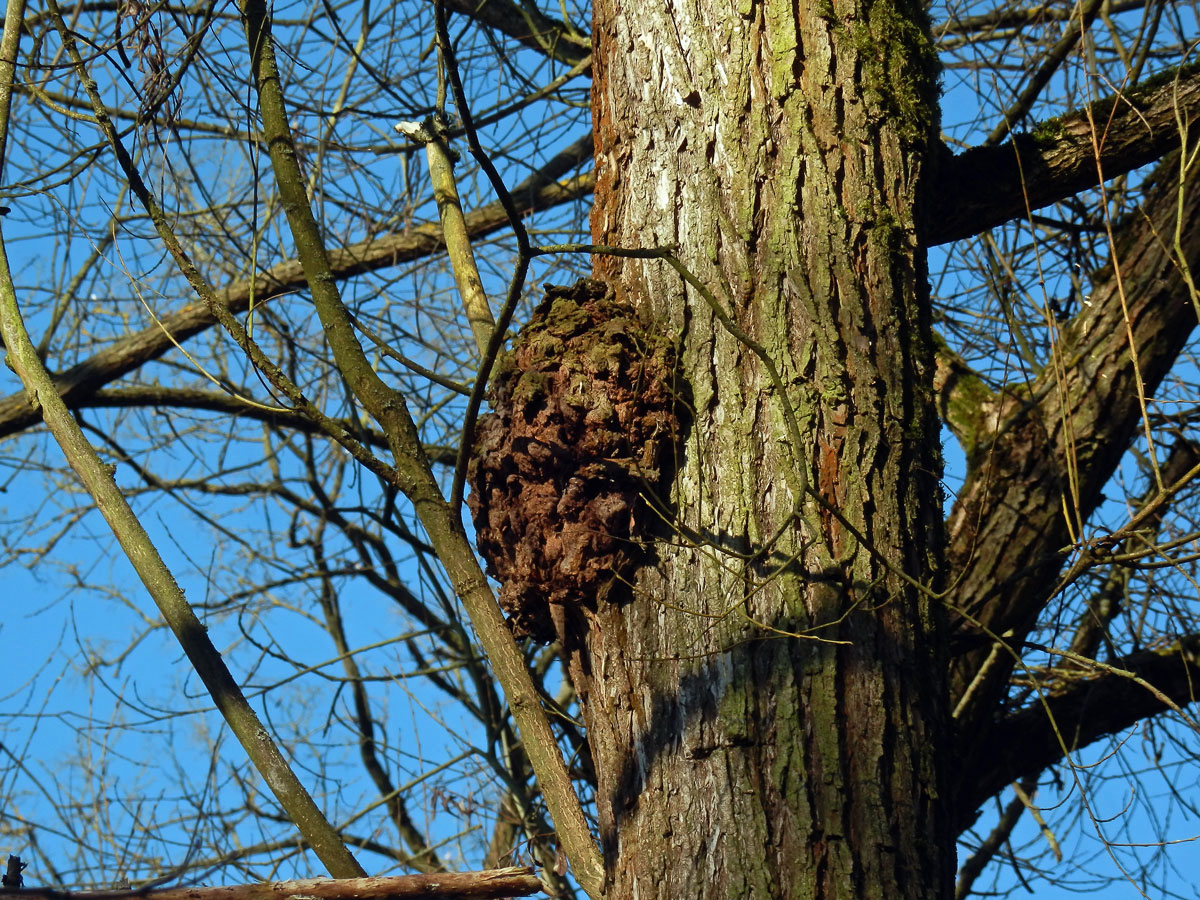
278	289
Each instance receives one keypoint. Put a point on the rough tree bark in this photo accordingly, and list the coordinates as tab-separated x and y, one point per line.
767	708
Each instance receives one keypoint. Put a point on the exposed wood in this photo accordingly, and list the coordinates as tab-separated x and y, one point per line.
516	881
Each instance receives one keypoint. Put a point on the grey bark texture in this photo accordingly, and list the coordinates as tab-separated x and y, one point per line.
766	707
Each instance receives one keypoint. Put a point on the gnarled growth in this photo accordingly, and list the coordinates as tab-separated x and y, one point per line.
584	416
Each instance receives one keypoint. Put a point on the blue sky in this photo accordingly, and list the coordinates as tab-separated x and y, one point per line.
92	687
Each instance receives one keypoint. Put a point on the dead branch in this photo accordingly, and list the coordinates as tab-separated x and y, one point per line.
515	881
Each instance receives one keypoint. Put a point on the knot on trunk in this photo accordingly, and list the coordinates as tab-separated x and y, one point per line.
583	423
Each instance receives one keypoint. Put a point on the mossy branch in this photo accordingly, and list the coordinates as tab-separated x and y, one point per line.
411	465
100	483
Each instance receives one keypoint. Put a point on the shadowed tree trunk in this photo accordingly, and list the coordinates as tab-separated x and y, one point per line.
766	708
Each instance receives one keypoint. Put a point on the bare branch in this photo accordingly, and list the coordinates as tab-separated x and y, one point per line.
999	836
516	881
539	191
1081	710
1050	64
987	186
527	24
1062	439
1006	17
1092	629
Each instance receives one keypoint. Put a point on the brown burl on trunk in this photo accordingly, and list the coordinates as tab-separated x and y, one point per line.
767	713
568	467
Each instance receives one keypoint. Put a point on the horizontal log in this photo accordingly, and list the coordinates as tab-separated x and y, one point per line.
515	881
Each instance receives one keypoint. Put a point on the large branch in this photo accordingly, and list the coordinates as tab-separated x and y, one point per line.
510	882
1076	712
1048	452
1107	602
540	191
987	186
974	191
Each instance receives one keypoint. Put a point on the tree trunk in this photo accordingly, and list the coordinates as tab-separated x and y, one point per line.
767	710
